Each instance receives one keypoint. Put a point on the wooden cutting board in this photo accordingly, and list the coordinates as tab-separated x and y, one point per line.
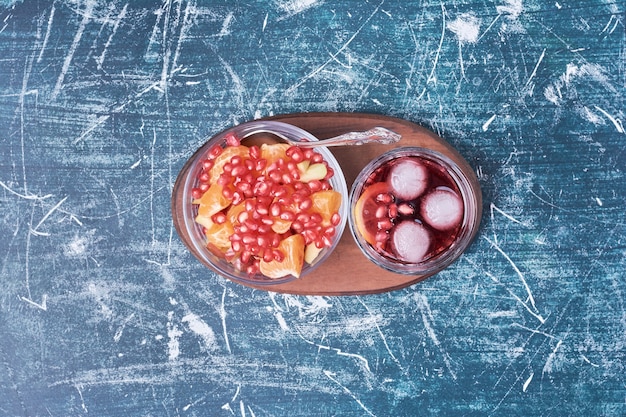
347	271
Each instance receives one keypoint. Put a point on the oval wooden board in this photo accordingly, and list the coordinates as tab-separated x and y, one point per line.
347	271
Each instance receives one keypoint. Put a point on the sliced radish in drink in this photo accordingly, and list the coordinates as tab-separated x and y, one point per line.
408	179
410	241
442	209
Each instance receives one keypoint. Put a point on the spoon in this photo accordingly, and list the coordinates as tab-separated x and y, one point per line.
375	135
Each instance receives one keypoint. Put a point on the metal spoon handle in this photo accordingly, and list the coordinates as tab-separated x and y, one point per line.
375	135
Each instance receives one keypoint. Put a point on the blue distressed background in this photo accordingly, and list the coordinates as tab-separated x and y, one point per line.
103	312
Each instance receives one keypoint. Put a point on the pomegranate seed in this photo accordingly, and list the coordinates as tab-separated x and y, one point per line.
204	187
381	236
260	164
308	153
295	153
317	158
303	217
316	218
384	224
248	239
196	193
305	204
309	236
237	198
275	176
326	241
235	237
268	256
296	226
287	215
262	188
381	211
207	164
278	256
264	228
274	240
335	219
319	244
254	151
204	177
326	186
393	210
275	209
245	256
227	193
406	209
315	185
330	231
243	216
384	198
236	160
231	140
261	208
236	246
250	165
219	218
214	152
329	173
267	221
238	170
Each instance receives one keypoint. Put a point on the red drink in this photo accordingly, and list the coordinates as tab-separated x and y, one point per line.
409	208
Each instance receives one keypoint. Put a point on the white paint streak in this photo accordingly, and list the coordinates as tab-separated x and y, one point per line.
488	122
616	122
222	313
199	327
47	35
547	368
466	28
427	318
527	383
511	8
334	55
45	217
70	54
532	75
116	25
531	299
173	333
331	376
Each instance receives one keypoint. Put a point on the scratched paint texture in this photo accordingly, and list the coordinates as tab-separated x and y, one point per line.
103	312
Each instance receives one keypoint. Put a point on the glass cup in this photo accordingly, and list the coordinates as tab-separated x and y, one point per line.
184	212
413	211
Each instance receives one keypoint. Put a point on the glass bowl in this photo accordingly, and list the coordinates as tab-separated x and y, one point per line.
184	211
418	247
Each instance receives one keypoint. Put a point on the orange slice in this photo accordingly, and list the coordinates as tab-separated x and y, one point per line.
219	235
274	152
212	201
365	211
326	203
225	157
232	214
293	248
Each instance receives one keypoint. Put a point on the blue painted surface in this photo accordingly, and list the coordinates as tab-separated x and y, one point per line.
103	312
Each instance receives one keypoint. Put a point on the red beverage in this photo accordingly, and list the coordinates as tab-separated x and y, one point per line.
409	209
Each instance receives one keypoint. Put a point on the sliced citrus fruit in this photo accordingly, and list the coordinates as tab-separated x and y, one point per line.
219	235
225	157
232	214
293	249
281	226
273	152
365	211
326	203
212	201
